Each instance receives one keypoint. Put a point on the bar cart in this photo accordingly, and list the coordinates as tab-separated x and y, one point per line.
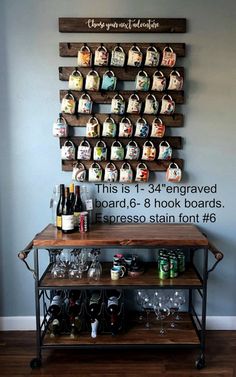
192	331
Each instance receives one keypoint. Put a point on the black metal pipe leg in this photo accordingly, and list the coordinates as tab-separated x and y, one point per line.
200	362
36	362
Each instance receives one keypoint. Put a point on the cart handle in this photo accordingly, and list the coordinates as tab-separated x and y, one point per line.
217	253
23	254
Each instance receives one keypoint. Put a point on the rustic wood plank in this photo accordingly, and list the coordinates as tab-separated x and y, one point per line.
70	49
122	74
175	120
143	235
158	165
105	97
147	280
174	141
122	25
136	334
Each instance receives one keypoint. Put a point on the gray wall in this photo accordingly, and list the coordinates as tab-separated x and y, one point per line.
30	162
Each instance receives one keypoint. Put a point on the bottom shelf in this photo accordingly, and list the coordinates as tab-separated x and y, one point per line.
137	334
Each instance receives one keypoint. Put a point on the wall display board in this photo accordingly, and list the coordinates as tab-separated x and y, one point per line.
138	122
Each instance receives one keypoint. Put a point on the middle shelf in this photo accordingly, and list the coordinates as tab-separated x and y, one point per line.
149	279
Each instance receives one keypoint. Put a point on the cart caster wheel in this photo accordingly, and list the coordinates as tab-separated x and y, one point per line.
35	363
200	363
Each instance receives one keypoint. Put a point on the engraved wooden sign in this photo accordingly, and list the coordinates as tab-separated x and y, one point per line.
122	25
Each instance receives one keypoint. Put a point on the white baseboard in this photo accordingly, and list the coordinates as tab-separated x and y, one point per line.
17	323
221	323
28	323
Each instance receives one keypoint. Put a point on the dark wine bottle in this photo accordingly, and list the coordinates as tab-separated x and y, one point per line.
55	328
94	305
55	306
78	207
113	310
73	305
60	206
72	194
67	223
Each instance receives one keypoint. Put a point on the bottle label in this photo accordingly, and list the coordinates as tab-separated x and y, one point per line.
112	301
57	300
76	219
89	204
59	221
67	222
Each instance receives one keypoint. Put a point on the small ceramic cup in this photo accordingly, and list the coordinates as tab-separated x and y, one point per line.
117	272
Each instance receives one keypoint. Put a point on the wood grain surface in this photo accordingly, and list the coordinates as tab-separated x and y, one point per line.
17	348
70	49
121	25
145	235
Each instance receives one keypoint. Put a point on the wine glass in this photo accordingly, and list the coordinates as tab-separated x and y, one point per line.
162	312
58	268
179	298
75	270
173	306
95	269
82	257
160	300
139	300
147	305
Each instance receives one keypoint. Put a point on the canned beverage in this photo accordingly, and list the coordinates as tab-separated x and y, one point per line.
84	222
181	261
173	266
162	253
164	268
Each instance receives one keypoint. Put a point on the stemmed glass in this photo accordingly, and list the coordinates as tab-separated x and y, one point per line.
75	270
147	306
83	259
139	300
173	306
161	309
95	269
144	300
58	268
179	299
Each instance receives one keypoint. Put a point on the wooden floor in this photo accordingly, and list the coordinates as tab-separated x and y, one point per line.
18	348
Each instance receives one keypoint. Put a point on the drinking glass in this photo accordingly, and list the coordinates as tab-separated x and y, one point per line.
75	270
139	300
95	269
173	306
179	299
58	268
160	301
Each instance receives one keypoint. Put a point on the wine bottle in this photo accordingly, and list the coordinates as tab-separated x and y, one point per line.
78	207
73	305
94	328
87	203
55	328
72	194
94	305
55	306
74	331
54	202
67	223
113	310
60	206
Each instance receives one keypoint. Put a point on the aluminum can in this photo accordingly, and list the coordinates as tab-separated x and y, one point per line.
83	222
181	261
173	266
163	268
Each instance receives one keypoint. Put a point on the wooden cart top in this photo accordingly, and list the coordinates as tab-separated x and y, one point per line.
140	235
